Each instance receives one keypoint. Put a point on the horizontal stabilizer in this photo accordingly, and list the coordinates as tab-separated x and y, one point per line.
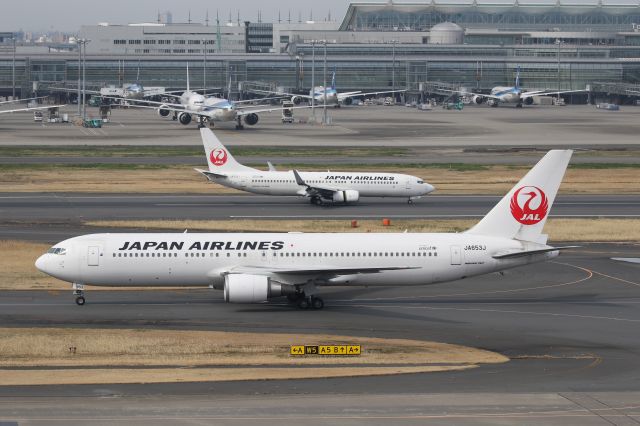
211	175
514	254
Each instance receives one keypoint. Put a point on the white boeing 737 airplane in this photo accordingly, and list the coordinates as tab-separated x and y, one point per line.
337	187
255	267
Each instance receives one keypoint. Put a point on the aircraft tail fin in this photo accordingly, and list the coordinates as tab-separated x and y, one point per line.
219	159
518	78
333	79
522	213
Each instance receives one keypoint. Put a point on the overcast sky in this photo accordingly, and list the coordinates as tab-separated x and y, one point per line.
68	15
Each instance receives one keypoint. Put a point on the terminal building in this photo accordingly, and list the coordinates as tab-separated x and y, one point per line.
419	47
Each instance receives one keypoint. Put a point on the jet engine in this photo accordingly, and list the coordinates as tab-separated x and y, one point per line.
251	119
348	101
246	288
346	196
184	118
528	101
163	111
478	99
296	100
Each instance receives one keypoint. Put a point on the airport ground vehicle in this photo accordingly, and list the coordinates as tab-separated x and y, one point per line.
287	112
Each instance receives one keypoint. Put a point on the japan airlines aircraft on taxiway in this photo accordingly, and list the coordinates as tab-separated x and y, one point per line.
253	268
336	187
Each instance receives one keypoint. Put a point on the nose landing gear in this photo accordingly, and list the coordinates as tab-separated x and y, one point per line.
78	291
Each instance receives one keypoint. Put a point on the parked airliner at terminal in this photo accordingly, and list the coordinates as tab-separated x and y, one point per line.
319	187
255	267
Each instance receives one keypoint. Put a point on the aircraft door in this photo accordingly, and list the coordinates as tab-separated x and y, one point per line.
93	256
456	255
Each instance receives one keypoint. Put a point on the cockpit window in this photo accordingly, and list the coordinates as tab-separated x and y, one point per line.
57	250
420	182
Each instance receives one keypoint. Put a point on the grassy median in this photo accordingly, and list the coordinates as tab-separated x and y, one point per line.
33	356
447	178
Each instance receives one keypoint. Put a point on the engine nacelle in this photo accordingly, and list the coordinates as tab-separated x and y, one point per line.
184	118
347	196
251	119
296	100
348	101
478	99
163	111
246	288
528	101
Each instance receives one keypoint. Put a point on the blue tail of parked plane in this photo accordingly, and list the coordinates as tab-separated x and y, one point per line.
518	78
333	79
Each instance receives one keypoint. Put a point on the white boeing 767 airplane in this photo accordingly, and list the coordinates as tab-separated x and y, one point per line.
337	187
253	268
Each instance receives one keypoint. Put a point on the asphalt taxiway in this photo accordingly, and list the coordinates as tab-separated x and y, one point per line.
75	207
568	326
479	126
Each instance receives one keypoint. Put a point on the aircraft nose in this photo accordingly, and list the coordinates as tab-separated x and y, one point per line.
429	188
41	263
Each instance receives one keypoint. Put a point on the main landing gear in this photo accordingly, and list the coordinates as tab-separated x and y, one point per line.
78	291
304	302
316	200
239	125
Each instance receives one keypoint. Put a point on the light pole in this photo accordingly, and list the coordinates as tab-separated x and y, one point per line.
204	76
558	42
80	41
324	112
13	68
393	67
313	80
84	78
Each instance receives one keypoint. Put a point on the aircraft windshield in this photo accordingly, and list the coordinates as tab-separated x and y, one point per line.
57	250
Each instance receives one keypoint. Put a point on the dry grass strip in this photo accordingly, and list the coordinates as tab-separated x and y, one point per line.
496	180
170	356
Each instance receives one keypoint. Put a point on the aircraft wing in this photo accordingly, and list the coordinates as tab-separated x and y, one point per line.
549	92
30	109
283	94
204	113
248	111
255	100
301	274
463	93
143	101
312	190
66	89
22	100
352	94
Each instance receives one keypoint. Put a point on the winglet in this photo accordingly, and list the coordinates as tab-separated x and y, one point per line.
299	180
271	166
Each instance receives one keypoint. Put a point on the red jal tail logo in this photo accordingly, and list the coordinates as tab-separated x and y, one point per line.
524	212
218	157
